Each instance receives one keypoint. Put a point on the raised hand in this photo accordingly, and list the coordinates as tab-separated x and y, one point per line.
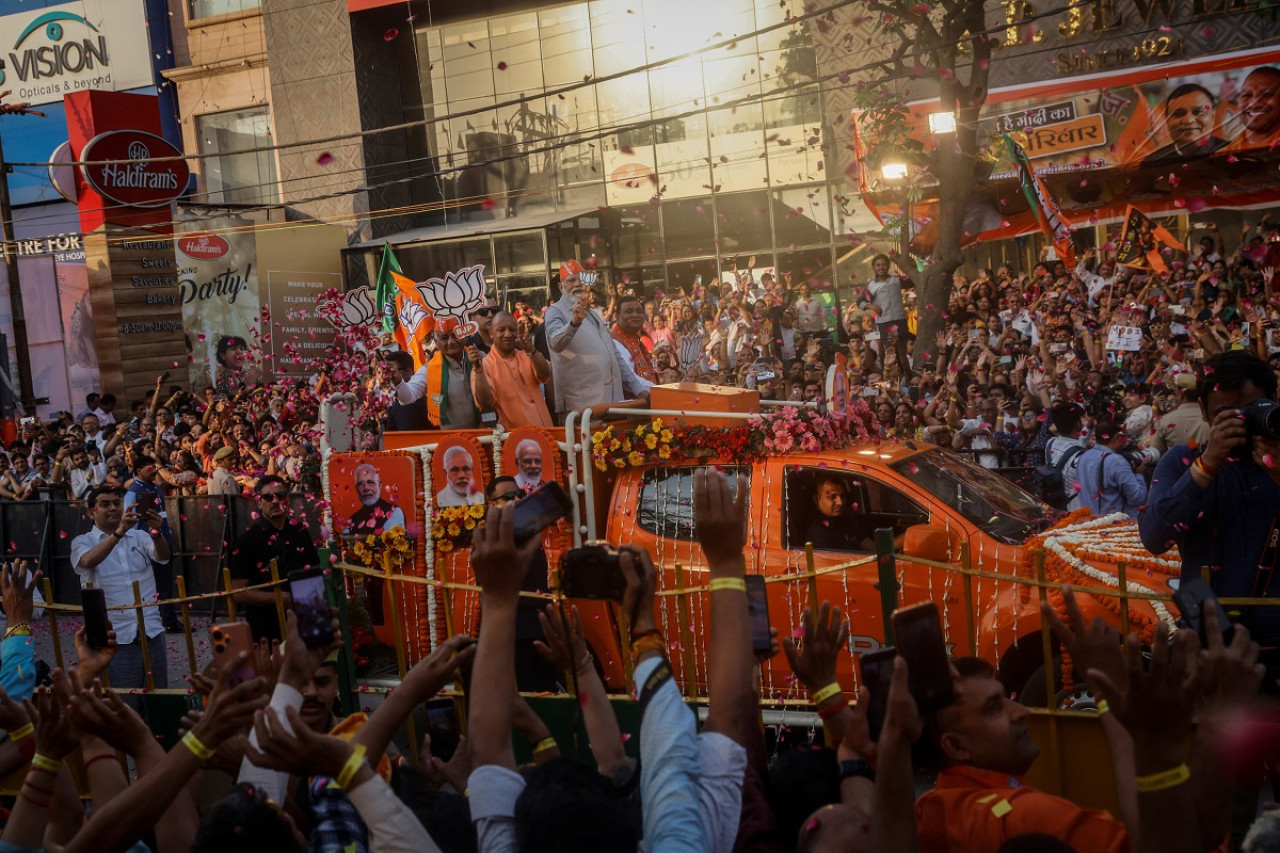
499	564
12	715
103	714
301	752
825	637
719	518
565	646
437	669
18	591
1229	673
1096	646
637	601
56	737
300	660
231	709
93	662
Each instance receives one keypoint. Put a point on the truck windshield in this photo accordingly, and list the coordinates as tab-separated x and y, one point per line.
992	503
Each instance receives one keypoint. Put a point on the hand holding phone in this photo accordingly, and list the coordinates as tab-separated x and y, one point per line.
93	603
540	509
877	677
228	641
758	614
921	643
311	607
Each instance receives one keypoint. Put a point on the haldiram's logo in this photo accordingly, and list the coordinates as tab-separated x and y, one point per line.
32	61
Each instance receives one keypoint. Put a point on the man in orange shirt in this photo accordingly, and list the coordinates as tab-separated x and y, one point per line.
508	377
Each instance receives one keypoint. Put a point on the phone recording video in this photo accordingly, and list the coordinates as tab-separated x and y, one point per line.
96	624
921	643
877	677
228	641
540	509
593	572
758	614
311	607
1194	596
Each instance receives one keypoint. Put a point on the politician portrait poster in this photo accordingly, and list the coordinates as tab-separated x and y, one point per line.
373	493
457	473
529	455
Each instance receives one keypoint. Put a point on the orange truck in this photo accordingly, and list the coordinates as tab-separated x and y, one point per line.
944	513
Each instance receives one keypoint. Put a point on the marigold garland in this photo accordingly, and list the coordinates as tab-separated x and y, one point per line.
451	526
1079	538
788	430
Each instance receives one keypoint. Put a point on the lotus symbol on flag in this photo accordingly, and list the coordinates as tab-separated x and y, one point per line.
412	315
454	297
587	278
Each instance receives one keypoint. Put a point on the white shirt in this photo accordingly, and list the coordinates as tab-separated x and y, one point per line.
886	296
129	561
84	479
105	418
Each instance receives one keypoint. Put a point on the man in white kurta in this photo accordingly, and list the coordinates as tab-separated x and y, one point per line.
585	364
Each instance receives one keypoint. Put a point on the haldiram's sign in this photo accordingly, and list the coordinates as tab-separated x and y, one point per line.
88	44
134	168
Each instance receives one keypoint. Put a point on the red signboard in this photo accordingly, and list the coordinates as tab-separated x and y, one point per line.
203	247
122	166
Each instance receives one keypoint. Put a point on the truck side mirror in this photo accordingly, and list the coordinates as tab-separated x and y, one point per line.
928	542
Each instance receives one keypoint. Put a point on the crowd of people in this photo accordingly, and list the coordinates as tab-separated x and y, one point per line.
269	762
1044	376
172	442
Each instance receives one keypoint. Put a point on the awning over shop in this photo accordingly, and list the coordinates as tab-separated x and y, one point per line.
478	228
1166	139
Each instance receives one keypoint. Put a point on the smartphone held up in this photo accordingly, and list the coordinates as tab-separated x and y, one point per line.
311	607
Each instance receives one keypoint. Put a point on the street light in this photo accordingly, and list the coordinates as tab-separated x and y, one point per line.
893	171
940	123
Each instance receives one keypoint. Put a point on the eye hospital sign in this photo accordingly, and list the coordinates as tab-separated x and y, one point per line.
88	44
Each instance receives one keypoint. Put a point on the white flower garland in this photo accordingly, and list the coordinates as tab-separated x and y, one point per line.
1122	541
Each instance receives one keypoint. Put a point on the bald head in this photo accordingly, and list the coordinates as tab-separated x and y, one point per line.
503	332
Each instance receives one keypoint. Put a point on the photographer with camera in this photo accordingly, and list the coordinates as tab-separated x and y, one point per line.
1220	502
1110	485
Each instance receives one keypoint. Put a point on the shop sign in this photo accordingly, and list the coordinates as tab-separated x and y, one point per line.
203	247
52	51
127	171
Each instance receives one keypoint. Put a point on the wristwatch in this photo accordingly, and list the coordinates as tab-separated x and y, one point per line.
856	767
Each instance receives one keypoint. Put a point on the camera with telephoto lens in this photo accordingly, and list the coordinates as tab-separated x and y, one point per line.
1262	419
1138	456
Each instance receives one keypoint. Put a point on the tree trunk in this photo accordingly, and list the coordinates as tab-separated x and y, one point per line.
954	168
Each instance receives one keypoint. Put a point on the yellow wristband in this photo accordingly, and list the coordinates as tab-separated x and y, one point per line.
820	696
191	742
22	733
1161	781
547	743
45	763
1103	707
352	767
728	583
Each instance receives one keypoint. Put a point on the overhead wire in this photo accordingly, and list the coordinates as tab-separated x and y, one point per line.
578	138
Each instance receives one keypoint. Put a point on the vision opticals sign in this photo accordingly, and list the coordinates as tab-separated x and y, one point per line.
57	50
134	169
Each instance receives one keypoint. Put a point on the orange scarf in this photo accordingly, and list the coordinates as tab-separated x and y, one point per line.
641	361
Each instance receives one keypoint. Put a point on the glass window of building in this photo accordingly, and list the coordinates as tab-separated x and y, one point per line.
688	226
210	8
236	173
743	220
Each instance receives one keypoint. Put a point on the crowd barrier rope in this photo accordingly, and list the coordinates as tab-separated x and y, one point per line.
1051	718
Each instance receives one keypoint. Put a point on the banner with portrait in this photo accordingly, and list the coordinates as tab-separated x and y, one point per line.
1161	138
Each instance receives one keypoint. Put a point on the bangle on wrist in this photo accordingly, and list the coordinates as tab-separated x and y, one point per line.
1164	780
545	745
737	584
22	629
193	743
349	770
823	694
829	711
22	733
45	763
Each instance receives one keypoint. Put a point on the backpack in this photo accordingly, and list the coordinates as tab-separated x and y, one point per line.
1051	482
